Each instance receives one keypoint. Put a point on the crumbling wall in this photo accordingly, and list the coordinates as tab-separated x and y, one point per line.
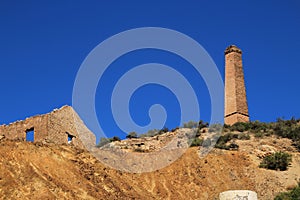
52	127
64	122
17	130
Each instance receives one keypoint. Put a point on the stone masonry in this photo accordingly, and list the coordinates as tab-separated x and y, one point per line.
236	107
61	126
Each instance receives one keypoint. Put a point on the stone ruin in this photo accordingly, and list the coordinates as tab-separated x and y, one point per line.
61	126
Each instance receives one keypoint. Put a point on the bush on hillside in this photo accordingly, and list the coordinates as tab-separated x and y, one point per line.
103	141
196	142
198	126
174	129
215	128
163	130
258	126
297	145
202	125
243	136
293	194
115	138
132	135
288	129
223	139
254	127
258	135
155	132
278	160
240	126
150	133
227	137
190	124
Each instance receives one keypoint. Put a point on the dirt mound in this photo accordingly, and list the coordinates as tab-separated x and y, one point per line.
48	171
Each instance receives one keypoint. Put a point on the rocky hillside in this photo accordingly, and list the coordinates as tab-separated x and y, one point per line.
50	171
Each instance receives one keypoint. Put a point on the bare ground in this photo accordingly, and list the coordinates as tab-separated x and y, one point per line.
48	171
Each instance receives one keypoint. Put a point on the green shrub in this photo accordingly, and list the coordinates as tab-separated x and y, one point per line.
297	145
258	126
198	126
222	146
258	134
190	124
244	136
255	127
240	126
103	141
174	129
132	135
216	128
115	138
155	132
287	128
202	125
223	139
293	194
198	133
227	137
226	126
233	146
150	133
196	142
163	130
278	160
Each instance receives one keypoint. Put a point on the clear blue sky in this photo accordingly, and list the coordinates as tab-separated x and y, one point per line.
43	44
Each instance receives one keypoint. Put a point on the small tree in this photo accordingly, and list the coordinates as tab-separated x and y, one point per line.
202	124
190	124
132	135
163	130
115	138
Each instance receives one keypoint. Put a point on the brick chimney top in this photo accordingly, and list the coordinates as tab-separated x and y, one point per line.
232	48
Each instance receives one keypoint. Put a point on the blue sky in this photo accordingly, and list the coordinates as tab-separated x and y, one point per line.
43	44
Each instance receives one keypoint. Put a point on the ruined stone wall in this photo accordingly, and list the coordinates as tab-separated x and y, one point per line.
53	127
17	130
236	107
61	124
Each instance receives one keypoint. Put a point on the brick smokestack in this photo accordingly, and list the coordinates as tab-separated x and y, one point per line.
236	107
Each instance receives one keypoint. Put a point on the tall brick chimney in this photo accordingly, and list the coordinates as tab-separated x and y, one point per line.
236	107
